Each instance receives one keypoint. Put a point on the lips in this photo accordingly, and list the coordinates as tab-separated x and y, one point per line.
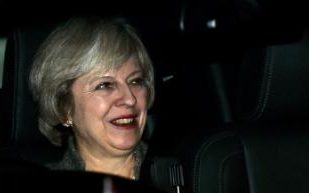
125	121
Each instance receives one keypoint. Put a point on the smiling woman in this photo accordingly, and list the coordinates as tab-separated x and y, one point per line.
93	80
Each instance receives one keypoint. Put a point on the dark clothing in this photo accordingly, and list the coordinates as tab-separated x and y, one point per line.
72	160
148	170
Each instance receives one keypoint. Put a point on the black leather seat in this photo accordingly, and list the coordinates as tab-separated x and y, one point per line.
274	107
20	126
264	149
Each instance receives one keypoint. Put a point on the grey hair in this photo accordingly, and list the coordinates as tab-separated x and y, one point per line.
73	49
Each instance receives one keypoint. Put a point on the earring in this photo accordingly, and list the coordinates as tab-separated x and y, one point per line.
68	123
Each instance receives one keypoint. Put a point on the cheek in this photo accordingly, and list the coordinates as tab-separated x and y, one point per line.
88	109
141	97
142	104
80	112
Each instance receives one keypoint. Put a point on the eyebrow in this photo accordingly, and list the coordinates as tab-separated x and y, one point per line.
135	72
98	77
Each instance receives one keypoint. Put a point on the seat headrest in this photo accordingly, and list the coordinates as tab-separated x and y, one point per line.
25	42
274	82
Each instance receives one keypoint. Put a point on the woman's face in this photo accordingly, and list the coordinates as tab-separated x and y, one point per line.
109	111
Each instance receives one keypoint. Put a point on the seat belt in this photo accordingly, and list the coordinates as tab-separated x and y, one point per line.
167	174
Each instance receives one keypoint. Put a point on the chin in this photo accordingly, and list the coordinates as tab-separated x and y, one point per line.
126	145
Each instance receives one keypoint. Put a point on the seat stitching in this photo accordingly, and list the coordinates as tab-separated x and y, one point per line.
197	161
222	167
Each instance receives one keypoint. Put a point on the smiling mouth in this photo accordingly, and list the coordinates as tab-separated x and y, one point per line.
125	123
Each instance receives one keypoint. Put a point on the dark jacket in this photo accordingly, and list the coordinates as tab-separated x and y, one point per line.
71	159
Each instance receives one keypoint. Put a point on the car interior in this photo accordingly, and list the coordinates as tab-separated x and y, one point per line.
231	106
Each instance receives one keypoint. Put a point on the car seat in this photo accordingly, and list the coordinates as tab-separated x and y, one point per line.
263	149
273	105
20	126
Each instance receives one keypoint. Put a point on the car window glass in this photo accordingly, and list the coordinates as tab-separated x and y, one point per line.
3	41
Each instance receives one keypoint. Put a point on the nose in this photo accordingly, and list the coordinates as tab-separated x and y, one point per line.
126	97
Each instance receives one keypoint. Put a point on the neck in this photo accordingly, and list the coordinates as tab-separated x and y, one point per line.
123	166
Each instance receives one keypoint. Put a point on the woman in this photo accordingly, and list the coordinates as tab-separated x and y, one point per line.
95	78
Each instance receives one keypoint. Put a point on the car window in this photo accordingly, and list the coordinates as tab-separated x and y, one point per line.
3	41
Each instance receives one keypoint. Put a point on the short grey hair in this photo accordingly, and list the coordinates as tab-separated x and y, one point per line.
73	49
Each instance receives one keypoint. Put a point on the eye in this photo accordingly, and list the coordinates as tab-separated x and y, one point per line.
140	81
105	86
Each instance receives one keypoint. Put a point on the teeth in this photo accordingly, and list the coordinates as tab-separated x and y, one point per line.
123	121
